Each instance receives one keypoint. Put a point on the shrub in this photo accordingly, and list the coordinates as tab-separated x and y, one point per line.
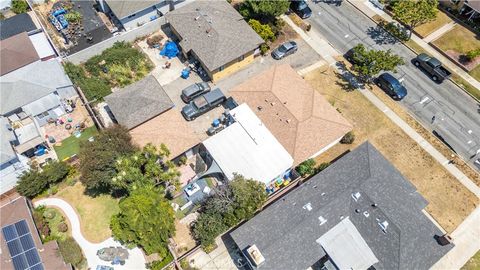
34	181
62	227
49	213
263	30
19	6
322	167
158	265
348	138
264	49
306	168
40	222
471	55
71	251
154	40
73	16
94	88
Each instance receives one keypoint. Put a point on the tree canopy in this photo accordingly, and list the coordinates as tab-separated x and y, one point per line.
98	158
370	62
19	6
147	166
265	10
145	219
231	203
415	12
36	180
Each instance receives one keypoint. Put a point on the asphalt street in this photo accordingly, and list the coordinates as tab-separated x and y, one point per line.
443	108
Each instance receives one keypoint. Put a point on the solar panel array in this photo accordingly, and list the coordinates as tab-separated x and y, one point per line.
22	249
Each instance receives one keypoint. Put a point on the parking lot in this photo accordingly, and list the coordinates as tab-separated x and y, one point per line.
304	57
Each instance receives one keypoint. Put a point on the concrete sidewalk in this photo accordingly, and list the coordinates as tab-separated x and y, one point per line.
439	32
466	236
370	11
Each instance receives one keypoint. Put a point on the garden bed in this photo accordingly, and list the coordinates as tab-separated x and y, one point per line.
117	67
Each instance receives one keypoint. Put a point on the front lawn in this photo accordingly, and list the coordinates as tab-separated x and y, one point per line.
427	28
459	39
94	213
475	73
71	145
449	201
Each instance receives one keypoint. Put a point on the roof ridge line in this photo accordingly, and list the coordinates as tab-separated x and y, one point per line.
316	117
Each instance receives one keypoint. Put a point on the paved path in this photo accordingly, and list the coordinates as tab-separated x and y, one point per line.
135	260
466	236
439	32
369	11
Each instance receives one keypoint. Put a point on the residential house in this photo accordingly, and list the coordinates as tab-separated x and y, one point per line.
298	116
470	8
216	35
20	241
134	13
248	148
34	92
147	111
359	213
15	25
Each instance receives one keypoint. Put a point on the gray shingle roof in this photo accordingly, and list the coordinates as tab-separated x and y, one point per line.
214	31
6	150
30	83
139	102
286	233
122	9
16	25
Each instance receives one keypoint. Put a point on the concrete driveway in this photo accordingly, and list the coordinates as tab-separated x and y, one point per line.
135	260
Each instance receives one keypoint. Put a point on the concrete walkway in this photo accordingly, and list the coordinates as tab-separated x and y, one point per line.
439	32
370	12
135	259
466	236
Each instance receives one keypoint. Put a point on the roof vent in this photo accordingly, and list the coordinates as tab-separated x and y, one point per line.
323	194
383	225
259	108
356	195
357	210
255	255
322	220
366	214
308	207
374	205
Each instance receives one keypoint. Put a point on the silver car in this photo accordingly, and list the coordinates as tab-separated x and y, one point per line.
285	49
194	90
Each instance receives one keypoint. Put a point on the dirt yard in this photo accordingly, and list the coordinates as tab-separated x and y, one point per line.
183	238
449	201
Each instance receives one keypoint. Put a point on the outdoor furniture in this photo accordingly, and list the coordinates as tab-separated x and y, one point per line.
192	189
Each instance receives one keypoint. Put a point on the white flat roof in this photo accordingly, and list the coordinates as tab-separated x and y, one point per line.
248	148
41	45
346	247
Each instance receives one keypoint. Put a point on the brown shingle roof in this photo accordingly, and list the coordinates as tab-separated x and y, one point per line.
14	211
169	128
16	52
297	115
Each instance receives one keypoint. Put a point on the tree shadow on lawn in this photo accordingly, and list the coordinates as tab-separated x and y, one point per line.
380	36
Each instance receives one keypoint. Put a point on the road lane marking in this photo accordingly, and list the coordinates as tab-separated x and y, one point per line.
424	100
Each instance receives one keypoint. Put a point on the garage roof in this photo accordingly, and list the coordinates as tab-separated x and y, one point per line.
248	148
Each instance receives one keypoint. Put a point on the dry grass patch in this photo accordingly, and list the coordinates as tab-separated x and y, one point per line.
94	213
458	39
183	238
473	263
449	201
427	28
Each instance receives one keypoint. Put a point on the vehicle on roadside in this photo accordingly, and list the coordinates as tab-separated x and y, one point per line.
301	8
391	86
203	104
477	163
351	57
284	50
194	90
432	66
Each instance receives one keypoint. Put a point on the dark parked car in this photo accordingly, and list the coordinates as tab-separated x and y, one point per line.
350	56
432	66
285	49
203	104
391	86
194	90
301	8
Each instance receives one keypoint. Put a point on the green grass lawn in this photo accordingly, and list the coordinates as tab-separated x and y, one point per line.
95	213
71	145
473	263
430	27
53	222
459	39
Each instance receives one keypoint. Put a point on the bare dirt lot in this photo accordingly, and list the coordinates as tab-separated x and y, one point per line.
449	201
